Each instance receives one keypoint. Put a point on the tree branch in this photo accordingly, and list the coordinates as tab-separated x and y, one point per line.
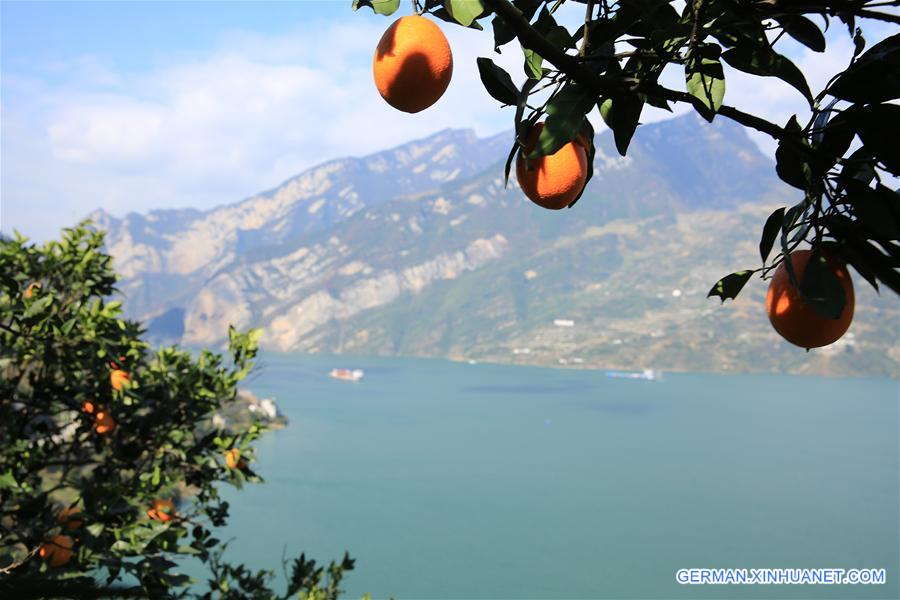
834	8
66	589
608	86
9	568
588	14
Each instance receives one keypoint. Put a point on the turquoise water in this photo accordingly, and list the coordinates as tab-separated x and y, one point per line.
450	480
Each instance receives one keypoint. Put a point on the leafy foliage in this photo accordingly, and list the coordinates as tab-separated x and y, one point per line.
114	449
842	159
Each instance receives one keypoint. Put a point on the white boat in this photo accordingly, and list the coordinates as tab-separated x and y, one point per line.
646	374
347	374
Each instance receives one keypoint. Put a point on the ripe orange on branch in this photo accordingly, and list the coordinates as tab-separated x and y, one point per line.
552	181
118	378
29	291
233	458
57	551
68	518
413	64
163	510
103	422
792	316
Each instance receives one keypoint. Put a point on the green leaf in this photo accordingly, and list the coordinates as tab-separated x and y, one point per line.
705	78
762	60
834	137
857	168
254	335
790	162
533	62
497	82
859	43
381	7
804	31
528	7
876	210
553	32
622	114
874	77
503	33
770	232
878	127
587	130
68	325
522	128
730	285
565	114
464	11
509	160
790	166
38	306
7	481
821	288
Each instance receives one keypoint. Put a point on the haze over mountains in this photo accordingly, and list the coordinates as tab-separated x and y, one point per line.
420	250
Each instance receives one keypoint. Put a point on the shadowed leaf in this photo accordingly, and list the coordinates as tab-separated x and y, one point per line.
730	285
770	232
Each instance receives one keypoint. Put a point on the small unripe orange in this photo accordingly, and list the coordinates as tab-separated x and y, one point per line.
57	551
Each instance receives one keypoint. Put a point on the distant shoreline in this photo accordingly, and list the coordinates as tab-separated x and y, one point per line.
353	360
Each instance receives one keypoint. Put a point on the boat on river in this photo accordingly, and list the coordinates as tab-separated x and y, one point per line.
646	374
347	374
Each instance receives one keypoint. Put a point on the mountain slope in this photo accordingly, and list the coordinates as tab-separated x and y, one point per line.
463	267
173	251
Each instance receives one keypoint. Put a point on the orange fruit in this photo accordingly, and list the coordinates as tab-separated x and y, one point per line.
57	551
88	407
793	318
552	181
118	378
233	458
103	422
163	510
67	517
29	291
413	64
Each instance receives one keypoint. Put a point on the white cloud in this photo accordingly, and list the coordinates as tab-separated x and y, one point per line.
218	127
209	129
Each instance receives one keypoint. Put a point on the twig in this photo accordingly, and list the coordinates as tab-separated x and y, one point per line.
698	9
588	13
18	563
607	86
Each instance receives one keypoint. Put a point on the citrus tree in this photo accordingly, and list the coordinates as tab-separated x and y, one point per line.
843	160
110	465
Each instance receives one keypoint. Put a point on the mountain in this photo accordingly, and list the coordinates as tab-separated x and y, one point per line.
175	251
421	250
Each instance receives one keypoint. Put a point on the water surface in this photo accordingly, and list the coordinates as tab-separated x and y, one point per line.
449	480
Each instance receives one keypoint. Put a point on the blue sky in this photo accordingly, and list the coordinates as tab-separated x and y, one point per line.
137	35
130	106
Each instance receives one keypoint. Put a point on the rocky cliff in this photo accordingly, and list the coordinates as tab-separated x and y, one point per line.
421	250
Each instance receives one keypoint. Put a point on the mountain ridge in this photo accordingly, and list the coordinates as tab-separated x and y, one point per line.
458	265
